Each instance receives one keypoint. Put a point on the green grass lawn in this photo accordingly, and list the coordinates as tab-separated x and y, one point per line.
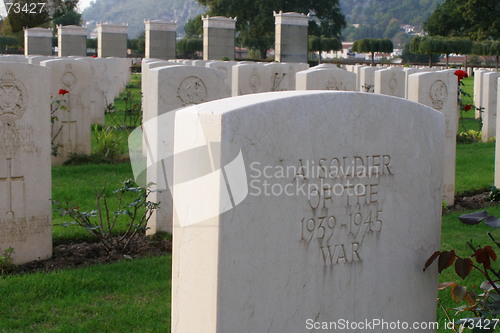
134	295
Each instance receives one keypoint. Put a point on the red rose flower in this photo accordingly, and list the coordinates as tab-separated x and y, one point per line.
94	56
467	107
461	74
63	92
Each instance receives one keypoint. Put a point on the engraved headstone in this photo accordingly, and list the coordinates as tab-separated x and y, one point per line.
170	88
70	90
390	82
25	174
311	208
250	79
326	78
367	79
439	91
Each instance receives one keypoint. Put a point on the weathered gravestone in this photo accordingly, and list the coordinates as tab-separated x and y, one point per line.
70	90
25	176
439	91
325	78
301	207
170	88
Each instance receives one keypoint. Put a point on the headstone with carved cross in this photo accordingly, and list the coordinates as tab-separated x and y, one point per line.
25	177
71	116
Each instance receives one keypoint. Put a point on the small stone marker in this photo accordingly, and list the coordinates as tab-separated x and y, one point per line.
25	173
325	209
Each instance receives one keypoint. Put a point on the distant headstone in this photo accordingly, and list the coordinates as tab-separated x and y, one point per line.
390	82
218	37
291	37
25	172
71	40
250	79
278	230
38	41
367	79
160	39
439	91
327	78
70	90
478	88
489	102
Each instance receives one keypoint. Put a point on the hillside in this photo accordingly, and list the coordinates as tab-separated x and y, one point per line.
376	18
383	18
134	12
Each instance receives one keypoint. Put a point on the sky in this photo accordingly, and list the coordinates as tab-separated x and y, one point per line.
84	3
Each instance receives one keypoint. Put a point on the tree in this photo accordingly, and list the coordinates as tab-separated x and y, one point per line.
188	47
372	45
487	47
321	44
255	22
428	45
477	19
194	28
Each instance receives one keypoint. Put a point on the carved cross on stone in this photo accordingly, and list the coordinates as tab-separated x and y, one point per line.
9	180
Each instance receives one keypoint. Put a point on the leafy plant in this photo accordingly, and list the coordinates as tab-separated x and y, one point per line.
101	222
469	136
494	194
483	306
108	143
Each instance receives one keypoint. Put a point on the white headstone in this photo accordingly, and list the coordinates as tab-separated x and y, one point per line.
478	80
367	79
171	88
390	82
329	78
489	102
71	126
25	173
250	79
439	91
276	259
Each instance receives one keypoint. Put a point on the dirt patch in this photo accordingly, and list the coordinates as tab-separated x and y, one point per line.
472	202
87	253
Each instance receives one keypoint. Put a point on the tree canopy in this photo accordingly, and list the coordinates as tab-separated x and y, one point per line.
477	19
372	45
255	20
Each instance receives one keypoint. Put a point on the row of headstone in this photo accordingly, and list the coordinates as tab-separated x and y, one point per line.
81	89
170	85
47	105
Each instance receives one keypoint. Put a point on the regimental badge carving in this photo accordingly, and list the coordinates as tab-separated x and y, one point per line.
191	91
69	79
254	83
333	84
13	98
438	94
